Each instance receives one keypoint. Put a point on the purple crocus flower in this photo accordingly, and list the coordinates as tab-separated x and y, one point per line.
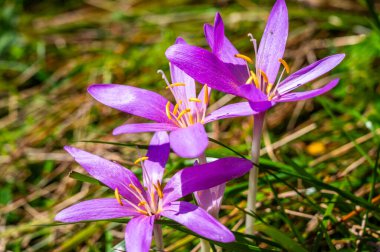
149	202
226	70
184	120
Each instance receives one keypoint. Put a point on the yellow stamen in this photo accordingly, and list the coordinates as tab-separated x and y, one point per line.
191	119
117	196
175	110
254	78
168	110
177	84
202	121
249	80
135	188
246	58
182	113
159	190
142	203
194	100
269	87
142	211
286	66
140	159
271	97
205	99
264	76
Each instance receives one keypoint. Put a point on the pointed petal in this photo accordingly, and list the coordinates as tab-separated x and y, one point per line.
230	111
204	67
297	96
189	142
109	173
138	234
201	177
273	42
143	127
211	199
96	209
224	49
179	76
309	73
131	100
197	220
158	154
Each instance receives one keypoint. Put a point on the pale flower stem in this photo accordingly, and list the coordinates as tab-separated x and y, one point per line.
157	231
205	245
253	174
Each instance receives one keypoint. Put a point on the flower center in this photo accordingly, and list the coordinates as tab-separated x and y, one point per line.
259	78
187	110
150	200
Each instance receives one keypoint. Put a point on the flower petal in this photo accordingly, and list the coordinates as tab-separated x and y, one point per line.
131	100
143	127
224	49
158	154
189	142
204	67
205	176
309	73
297	96
273	42
138	234
211	199
230	111
198	220
179	76
109	173
96	209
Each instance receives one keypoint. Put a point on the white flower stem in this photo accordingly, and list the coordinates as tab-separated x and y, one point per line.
157	231
205	245
253	174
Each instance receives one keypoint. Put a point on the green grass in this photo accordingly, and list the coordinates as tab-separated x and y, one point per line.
51	51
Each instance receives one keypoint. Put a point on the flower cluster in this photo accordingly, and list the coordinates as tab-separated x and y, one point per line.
223	69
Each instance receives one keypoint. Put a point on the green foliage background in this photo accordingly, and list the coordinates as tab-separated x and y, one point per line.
50	51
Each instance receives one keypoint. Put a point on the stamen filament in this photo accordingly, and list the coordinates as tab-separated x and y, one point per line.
175	110
141	159
194	100
177	84
118	198
182	113
244	57
168	110
135	188
286	66
269	87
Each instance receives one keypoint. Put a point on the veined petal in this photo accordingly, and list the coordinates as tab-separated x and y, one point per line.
179	76
96	209
109	173
138	234
204	67
224	49
158	154
197	220
230	111
189	142
131	100
143	127
201	177
309	73
273	42
297	96
211	199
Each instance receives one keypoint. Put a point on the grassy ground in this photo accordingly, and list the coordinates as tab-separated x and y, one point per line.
319	168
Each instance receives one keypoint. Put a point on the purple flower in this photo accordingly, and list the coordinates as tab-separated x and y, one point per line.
226	70
148	202
185	119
